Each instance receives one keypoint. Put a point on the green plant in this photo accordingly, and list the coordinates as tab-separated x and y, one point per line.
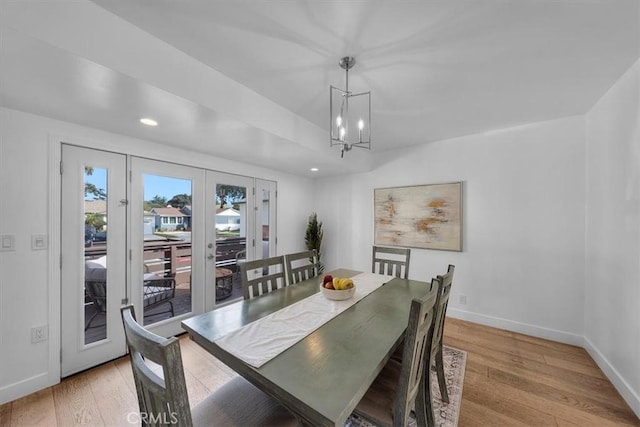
95	220
313	237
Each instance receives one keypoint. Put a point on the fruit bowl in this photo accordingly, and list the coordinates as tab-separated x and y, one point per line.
336	295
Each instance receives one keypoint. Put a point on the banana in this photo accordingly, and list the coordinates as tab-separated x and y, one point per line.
341	284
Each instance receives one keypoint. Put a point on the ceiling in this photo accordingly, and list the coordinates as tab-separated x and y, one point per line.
437	69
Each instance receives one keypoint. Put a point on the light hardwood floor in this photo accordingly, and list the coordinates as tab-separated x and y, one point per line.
510	380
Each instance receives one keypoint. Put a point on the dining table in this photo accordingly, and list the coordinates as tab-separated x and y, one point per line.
322	377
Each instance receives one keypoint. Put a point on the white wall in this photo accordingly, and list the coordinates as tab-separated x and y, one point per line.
612	291
28	288
522	267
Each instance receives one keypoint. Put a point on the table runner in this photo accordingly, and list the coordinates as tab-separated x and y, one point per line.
262	340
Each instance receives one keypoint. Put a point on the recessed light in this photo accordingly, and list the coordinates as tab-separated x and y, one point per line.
148	122
314	169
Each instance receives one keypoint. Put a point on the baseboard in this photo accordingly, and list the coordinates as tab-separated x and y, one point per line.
522	328
623	387
22	388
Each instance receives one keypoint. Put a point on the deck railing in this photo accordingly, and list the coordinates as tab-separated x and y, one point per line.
166	258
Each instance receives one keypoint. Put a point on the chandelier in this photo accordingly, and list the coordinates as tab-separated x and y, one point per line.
350	114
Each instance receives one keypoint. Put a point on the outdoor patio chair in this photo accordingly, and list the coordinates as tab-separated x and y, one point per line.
159	291
96	291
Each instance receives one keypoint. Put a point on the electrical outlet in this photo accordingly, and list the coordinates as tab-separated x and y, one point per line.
462	299
7	242
39	242
39	333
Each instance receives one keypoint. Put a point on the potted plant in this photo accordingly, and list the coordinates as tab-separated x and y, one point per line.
313	237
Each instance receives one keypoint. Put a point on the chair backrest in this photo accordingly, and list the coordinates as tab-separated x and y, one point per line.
162	396
262	276
302	266
241	255
391	261
159	289
417	343
444	289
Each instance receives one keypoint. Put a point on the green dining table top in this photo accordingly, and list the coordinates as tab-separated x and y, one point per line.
322	377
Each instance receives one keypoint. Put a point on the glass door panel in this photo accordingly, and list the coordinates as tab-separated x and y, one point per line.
166	250
230	210
95	254
166	234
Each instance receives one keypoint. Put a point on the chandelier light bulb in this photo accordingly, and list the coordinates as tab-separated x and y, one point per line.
360	124
338	121
343	131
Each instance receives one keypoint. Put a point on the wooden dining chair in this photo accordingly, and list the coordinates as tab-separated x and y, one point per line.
162	392
391	397
262	276
443	283
302	266
391	261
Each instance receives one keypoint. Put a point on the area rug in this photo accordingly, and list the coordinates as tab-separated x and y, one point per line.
446	415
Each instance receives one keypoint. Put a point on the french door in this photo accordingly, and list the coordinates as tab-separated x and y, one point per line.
167	244
164	237
93	229
230	233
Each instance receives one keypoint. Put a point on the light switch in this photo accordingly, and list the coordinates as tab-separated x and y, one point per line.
39	242
7	242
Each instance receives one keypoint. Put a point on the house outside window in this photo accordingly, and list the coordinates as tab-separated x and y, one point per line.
170	218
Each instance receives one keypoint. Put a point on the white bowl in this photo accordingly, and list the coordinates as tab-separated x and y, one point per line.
338	295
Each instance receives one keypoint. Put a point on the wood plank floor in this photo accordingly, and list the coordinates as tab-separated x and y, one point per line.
511	380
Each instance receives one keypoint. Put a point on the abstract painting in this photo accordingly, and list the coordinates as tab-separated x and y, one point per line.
420	216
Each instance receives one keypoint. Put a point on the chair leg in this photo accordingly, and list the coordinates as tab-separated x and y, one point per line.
442	382
424	406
